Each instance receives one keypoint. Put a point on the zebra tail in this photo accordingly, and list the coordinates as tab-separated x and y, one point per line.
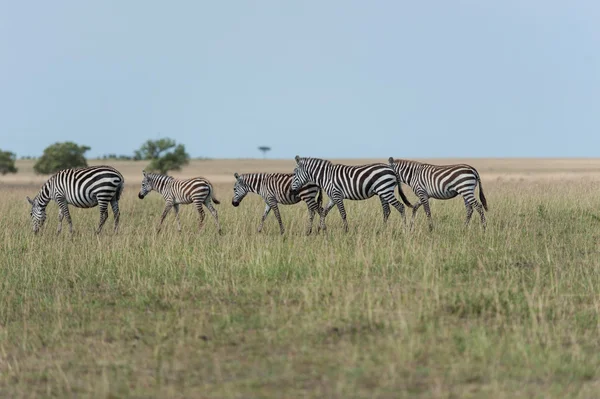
481	195
214	199
404	199
120	188
319	199
402	196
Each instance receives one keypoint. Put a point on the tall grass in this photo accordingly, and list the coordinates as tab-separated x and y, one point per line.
378	312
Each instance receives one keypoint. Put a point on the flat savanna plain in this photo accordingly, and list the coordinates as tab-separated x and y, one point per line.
378	312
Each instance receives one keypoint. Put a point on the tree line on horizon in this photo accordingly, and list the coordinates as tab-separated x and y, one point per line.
163	155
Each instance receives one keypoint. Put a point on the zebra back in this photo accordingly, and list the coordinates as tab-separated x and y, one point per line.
278	186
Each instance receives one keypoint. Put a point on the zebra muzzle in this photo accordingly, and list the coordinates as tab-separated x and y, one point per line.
140	196
235	203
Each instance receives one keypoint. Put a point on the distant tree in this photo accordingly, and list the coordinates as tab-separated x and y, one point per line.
61	156
7	162
164	155
264	150
118	157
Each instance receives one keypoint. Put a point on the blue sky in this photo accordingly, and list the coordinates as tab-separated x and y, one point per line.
315	78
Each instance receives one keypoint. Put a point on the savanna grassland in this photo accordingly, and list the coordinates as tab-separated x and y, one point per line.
377	313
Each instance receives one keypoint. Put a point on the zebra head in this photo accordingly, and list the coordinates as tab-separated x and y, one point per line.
240	189
301	176
37	213
146	186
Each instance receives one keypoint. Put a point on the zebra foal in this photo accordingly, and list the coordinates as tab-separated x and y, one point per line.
176	192
342	182
275	188
83	188
441	182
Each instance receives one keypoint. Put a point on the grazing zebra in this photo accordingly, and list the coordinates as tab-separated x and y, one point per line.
349	182
274	188
82	188
441	182
177	191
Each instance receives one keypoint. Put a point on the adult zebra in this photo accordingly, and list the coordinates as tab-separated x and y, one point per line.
196	190
83	188
441	182
349	182
275	188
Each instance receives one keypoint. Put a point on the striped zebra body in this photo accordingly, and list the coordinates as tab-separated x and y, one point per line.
441	182
275	188
83	188
342	182
197	190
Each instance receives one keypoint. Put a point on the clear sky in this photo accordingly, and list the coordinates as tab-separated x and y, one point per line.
466	78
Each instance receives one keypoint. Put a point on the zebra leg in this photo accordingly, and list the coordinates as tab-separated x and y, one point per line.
414	214
168	207
469	208
312	208
103	215
425	203
396	204
115	208
60	219
213	212
264	216
386	209
176	209
340	204
324	213
481	213
64	212
278	216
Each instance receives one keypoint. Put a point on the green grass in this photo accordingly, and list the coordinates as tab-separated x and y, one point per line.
513	312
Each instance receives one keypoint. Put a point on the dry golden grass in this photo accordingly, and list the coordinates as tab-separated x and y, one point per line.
513	312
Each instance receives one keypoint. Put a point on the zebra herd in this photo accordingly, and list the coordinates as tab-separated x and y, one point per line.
103	185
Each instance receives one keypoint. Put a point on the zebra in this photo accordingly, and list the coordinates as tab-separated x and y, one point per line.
83	188
274	188
441	182
349	182
196	190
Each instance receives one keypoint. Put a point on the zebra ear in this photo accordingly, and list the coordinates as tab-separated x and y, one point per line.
391	160
237	177
29	200
144	172
297	158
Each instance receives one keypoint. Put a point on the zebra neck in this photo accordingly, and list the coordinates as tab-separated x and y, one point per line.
254	183
322	174
410	172
44	196
160	183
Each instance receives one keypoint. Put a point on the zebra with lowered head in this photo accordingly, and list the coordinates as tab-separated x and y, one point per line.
349	182
83	188
441	182
275	188
176	192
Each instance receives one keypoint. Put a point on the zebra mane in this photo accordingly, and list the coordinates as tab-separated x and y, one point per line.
408	161
159	176
321	160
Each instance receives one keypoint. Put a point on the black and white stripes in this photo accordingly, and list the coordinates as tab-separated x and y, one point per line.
103	186
82	188
275	188
196	190
349	182
441	182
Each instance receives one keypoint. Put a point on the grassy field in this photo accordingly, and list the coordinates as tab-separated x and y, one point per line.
377	313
